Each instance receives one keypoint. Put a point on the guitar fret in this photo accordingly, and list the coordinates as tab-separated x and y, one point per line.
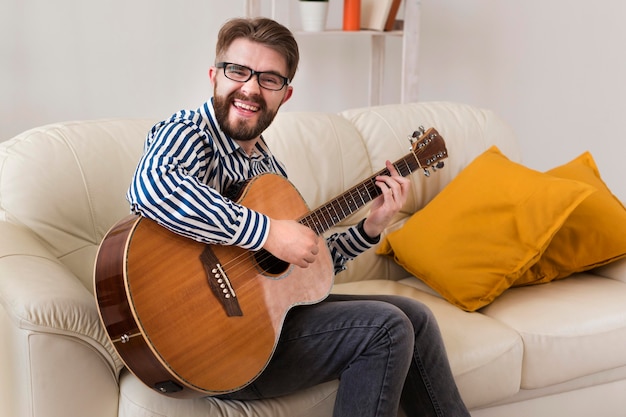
305	221
329	215
349	205
372	190
310	222
407	169
336	218
318	222
341	206
361	196
356	197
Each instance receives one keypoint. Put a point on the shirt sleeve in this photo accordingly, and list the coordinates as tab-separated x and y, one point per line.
348	245
167	188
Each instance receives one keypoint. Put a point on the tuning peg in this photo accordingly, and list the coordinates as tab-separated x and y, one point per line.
417	134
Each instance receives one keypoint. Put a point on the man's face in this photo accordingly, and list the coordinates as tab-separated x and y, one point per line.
245	109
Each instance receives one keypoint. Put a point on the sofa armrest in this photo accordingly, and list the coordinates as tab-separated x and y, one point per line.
615	270
40	294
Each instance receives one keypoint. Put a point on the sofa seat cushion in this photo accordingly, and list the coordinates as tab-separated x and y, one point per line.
138	400
485	356
570	328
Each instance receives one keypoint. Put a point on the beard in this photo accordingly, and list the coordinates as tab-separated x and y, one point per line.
239	129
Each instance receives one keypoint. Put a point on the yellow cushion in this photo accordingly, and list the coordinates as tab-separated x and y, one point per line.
484	229
593	235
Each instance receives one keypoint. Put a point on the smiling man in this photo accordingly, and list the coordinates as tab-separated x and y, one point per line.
384	350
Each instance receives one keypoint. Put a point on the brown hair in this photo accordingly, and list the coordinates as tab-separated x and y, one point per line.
265	31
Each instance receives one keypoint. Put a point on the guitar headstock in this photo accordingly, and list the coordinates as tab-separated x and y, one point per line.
429	149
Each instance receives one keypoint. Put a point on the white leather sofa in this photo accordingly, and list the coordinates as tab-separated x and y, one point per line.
543	351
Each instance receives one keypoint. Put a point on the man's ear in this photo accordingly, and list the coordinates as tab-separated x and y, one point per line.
288	94
212	74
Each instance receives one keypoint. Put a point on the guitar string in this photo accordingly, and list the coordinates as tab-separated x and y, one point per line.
370	188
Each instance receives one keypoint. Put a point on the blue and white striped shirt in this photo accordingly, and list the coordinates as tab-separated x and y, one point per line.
188	163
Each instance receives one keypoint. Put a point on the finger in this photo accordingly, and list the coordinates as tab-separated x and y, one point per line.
398	185
387	193
303	263
389	187
391	168
308	259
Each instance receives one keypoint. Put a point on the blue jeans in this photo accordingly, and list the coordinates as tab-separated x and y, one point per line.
386	351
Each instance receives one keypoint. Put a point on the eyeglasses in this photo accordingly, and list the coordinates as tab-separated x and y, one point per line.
268	80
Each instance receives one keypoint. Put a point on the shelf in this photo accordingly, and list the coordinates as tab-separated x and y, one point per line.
364	33
410	52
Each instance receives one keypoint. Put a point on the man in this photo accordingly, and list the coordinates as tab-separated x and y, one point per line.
384	350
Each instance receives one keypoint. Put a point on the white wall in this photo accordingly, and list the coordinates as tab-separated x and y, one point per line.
72	59
554	69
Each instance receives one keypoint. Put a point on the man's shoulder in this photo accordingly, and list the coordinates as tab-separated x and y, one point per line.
198	121
198	117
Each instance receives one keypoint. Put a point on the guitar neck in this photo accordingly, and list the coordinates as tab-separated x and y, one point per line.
342	206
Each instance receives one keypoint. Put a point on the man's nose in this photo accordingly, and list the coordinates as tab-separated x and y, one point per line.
252	84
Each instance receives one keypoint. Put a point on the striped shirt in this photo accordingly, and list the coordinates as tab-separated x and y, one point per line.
187	165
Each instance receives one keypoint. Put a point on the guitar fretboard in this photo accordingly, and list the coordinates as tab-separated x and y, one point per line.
342	206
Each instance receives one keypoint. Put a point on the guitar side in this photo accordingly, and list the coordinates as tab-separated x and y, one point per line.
181	339
116	313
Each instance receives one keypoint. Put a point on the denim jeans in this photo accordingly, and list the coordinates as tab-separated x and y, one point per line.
386	351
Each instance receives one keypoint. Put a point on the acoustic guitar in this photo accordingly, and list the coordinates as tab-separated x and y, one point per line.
191	319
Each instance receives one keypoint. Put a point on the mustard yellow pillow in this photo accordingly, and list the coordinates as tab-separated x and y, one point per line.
593	235
484	229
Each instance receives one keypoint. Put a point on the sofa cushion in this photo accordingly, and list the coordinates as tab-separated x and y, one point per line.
593	235
485	229
485	355
570	328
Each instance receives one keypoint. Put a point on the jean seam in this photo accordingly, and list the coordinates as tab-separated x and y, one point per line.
385	383
427	384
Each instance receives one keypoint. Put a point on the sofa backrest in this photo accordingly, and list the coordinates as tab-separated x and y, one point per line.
66	182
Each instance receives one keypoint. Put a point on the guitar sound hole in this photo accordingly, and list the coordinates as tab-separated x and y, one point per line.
269	263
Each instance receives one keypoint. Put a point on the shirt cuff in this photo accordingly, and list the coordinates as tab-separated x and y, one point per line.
365	236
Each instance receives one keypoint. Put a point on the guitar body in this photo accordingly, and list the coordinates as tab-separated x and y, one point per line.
190	319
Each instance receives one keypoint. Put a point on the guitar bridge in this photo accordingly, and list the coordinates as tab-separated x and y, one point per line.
219	283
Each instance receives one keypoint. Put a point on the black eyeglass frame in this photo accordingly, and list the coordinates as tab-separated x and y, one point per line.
258	74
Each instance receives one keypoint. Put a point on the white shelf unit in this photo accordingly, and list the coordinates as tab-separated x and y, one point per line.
410	49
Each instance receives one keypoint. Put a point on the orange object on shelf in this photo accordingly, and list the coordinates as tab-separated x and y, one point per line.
351	14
